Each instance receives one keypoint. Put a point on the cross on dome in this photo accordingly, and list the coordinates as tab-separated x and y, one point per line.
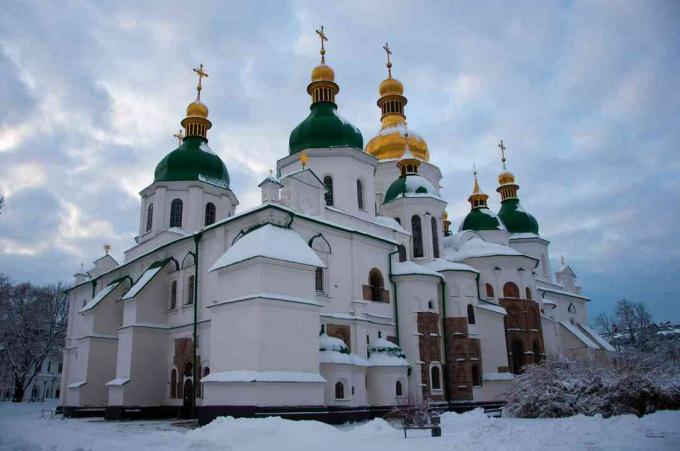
323	38
386	47
502	147
180	136
201	73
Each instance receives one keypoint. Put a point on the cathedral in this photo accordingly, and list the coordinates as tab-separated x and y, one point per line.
346	292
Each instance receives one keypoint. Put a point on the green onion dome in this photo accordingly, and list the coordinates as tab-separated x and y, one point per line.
324	127
193	160
516	219
481	219
410	185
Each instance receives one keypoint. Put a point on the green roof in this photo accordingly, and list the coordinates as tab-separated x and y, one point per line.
193	160
410	185
481	219
517	220
324	128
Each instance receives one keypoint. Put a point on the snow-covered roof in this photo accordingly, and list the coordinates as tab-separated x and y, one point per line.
597	337
497	376
573	328
439	264
273	242
385	353
272	296
390	223
492	307
263	376
77	384
523	236
334	350
99	297
477	247
549	302
143	281
271	178
409	267
119	381
562	292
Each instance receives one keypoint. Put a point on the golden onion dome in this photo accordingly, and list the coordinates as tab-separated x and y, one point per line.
197	109
506	178
391	87
322	72
445	215
390	142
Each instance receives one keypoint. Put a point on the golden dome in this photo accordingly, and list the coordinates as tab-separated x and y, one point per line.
197	109
445	216
391	87
506	178
390	143
323	72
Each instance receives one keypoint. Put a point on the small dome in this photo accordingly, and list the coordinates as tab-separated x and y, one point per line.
390	142
481	219
411	185
323	72
506	178
193	160
324	127
516	219
391	87
197	108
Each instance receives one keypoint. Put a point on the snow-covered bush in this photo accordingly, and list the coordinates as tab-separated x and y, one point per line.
632	382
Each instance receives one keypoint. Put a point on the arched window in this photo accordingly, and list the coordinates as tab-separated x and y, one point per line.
176	213
188	369
402	253
510	290
339	390
517	350
360	195
471	314
430	305
398	219
209	213
319	280
376	284
328	181
435	380
536	348
190	289
435	237
399	390
489	290
417	233
173	383
476	380
528	293
149	218
173	294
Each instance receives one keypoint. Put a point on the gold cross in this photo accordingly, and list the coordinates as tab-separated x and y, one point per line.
180	136
323	37
502	147
386	47
201	73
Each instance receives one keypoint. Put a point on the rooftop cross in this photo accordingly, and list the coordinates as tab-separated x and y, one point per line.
180	136
323	38
107	248
502	147
386	47
201	73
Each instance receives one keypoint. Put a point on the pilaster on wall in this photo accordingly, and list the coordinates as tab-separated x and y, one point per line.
463	353
523	326
429	344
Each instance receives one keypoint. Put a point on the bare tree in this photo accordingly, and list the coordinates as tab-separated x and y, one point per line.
2	203
632	318
32	326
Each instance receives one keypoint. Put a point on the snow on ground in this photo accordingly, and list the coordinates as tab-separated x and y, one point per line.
22	428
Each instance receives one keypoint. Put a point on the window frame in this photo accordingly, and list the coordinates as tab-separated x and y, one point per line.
360	195
149	218
328	195
417	236
176	212
438	379
435	237
210	214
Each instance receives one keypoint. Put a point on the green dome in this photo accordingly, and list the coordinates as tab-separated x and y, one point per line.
517	220
411	185
481	219
193	160
324	128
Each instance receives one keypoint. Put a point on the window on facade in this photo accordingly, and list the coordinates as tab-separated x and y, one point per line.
399	390
471	314
328	181
517	350
339	390
173	383
510	290
376	284
319	280
476	380
435	380
489	290
209	213
360	195
149	218
430	305
176	213
402	253
536	348
60	368
173	294
571	308
191	283
435	237
528	293
417	233
188	370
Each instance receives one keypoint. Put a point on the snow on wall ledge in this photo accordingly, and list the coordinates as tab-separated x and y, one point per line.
263	376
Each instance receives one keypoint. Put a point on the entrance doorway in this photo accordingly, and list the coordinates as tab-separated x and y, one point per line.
517	350
188	400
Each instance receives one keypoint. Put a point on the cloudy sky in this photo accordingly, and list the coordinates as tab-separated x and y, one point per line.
586	95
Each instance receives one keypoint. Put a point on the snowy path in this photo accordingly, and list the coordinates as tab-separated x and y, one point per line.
21	428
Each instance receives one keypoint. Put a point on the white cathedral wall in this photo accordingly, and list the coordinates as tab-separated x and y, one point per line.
491	329
352	377
382	382
537	248
263	394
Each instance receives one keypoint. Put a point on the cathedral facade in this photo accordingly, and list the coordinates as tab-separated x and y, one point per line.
343	294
